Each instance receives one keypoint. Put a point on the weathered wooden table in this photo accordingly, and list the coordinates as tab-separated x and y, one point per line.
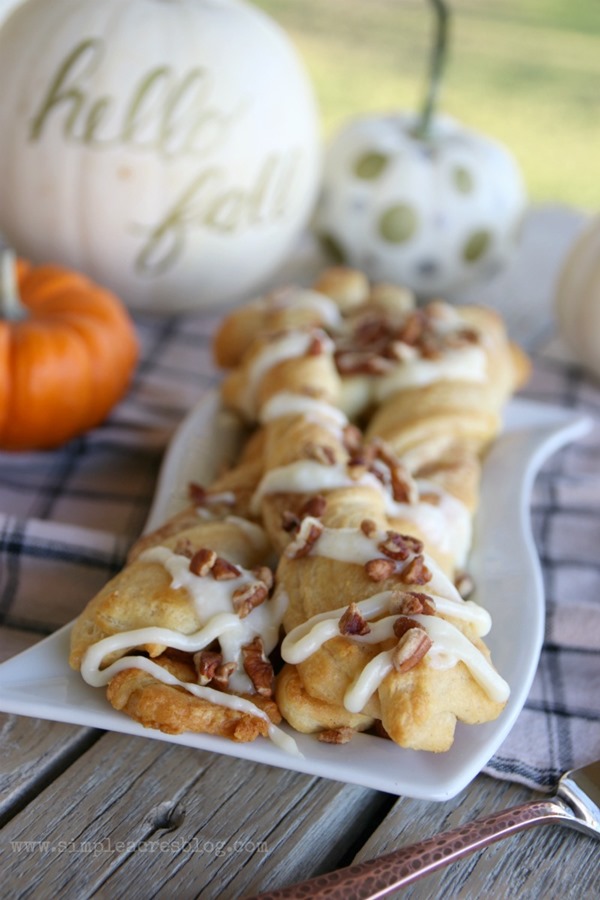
90	814
86	813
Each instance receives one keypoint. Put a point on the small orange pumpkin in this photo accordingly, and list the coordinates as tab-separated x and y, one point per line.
67	352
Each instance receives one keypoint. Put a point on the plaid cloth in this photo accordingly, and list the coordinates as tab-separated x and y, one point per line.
68	516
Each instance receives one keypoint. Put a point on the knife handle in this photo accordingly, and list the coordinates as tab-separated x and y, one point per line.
378	877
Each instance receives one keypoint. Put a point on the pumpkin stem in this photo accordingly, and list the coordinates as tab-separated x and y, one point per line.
11	307
439	55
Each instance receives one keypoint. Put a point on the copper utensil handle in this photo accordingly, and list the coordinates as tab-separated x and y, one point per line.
378	877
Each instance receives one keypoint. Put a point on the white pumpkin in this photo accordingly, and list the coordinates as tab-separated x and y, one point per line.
6	6
578	298
433	214
167	148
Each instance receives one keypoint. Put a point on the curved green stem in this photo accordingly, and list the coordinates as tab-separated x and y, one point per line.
11	307
439	54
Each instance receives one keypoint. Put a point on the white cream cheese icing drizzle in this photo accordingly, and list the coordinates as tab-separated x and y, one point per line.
212	600
446	525
290	345
448	641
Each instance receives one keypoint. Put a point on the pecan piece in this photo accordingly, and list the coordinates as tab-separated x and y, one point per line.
404	624
336	735
264	574
464	584
308	534
412	647
379	569
400	546
315	506
184	547
223	570
412	603
246	598
416	572
222	675
352	622
202	561
368	527
290	521
258	667
207	662
196	493
412	329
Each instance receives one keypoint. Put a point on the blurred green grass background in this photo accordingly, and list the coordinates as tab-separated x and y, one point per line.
526	72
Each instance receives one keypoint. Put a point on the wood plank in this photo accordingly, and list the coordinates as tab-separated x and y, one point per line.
177	821
543	862
32	753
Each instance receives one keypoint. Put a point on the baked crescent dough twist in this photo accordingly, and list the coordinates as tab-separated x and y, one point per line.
366	418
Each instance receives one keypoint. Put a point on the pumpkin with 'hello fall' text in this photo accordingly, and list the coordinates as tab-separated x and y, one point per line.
167	148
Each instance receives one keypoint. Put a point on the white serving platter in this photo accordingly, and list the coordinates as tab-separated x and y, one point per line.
39	682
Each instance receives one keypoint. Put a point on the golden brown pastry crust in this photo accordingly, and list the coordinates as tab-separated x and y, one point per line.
435	432
174	710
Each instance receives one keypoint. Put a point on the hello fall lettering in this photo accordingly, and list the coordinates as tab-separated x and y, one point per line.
174	117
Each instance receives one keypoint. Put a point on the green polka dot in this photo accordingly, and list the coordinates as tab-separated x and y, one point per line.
332	248
463	180
476	245
398	223
370	165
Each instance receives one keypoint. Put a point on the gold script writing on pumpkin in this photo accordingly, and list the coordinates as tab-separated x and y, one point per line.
173	116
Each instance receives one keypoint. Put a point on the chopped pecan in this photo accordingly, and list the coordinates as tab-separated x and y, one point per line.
318	345
352	622
202	561
223	570
352	438
412	329
412	603
400	546
264	574
404	624
404	489
258	667
184	547
336	735
379	569
222	675
315	506
196	493
412	647
416	572
207	662
464	584
368	527
290	521
246	598
308	534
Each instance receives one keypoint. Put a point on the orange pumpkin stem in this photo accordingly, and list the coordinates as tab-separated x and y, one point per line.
11	308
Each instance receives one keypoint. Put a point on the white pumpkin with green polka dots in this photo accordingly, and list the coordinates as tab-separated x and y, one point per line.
434	215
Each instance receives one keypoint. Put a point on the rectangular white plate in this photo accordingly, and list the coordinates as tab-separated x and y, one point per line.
505	566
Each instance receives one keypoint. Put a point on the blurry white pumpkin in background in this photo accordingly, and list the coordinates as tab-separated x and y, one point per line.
168	148
433	215
421	200
578	298
6	6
